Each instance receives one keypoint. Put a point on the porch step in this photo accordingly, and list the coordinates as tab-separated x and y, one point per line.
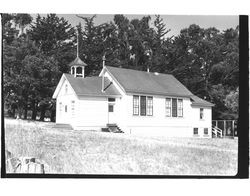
114	128
63	126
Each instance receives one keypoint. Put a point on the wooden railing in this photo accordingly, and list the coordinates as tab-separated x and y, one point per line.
217	131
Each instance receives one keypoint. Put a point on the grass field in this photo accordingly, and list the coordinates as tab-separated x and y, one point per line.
90	152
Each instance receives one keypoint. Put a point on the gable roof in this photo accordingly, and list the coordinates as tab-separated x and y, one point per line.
89	86
131	81
134	81
197	101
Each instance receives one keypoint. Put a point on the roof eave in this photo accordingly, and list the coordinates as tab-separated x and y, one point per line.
156	93
203	105
58	87
114	78
104	95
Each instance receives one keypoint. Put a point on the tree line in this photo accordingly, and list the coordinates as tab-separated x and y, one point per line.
37	52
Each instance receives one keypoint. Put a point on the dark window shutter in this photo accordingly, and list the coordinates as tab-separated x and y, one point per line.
174	107
143	105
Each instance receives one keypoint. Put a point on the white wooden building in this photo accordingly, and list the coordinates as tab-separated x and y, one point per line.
136	102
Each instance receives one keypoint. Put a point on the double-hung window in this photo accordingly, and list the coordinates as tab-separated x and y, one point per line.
149	106
60	107
196	131
174	107
111	104
201	113
66	89
73	108
136	105
180	107
142	105
168	107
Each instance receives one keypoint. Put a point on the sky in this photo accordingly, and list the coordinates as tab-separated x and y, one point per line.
173	22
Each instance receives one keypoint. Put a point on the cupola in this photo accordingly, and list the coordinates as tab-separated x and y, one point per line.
77	66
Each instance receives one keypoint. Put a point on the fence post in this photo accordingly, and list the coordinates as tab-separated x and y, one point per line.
233	128
224	128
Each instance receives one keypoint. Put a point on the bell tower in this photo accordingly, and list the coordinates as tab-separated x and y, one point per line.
77	66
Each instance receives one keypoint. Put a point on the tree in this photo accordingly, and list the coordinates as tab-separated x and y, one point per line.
160	46
91	46
43	73
161	30
232	102
22	20
9	32
206	61
54	37
203	59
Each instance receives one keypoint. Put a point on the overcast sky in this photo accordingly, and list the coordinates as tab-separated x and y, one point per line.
173	22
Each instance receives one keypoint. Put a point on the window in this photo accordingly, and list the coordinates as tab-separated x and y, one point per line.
60	106
135	105
195	131
66	108
111	99
180	108
111	108
174	107
205	131
73	70
201	113
73	108
66	89
168	107
143	106
78	70
149	106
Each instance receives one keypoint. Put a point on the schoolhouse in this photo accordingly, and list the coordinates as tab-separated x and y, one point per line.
130	101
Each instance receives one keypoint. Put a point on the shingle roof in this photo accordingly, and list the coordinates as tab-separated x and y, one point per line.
148	83
91	86
197	101
133	81
77	61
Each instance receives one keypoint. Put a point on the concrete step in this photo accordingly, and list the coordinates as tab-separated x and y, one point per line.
63	126
114	128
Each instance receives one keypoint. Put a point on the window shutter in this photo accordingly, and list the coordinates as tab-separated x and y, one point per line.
174	107
143	106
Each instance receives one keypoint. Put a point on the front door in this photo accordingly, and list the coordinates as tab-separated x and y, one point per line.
111	110
65	113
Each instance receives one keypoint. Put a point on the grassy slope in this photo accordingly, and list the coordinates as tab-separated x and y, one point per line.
88	152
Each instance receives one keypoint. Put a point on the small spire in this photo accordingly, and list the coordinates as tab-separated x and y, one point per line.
103	60
77	36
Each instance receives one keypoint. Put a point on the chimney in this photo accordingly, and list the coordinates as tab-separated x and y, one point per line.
103	65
